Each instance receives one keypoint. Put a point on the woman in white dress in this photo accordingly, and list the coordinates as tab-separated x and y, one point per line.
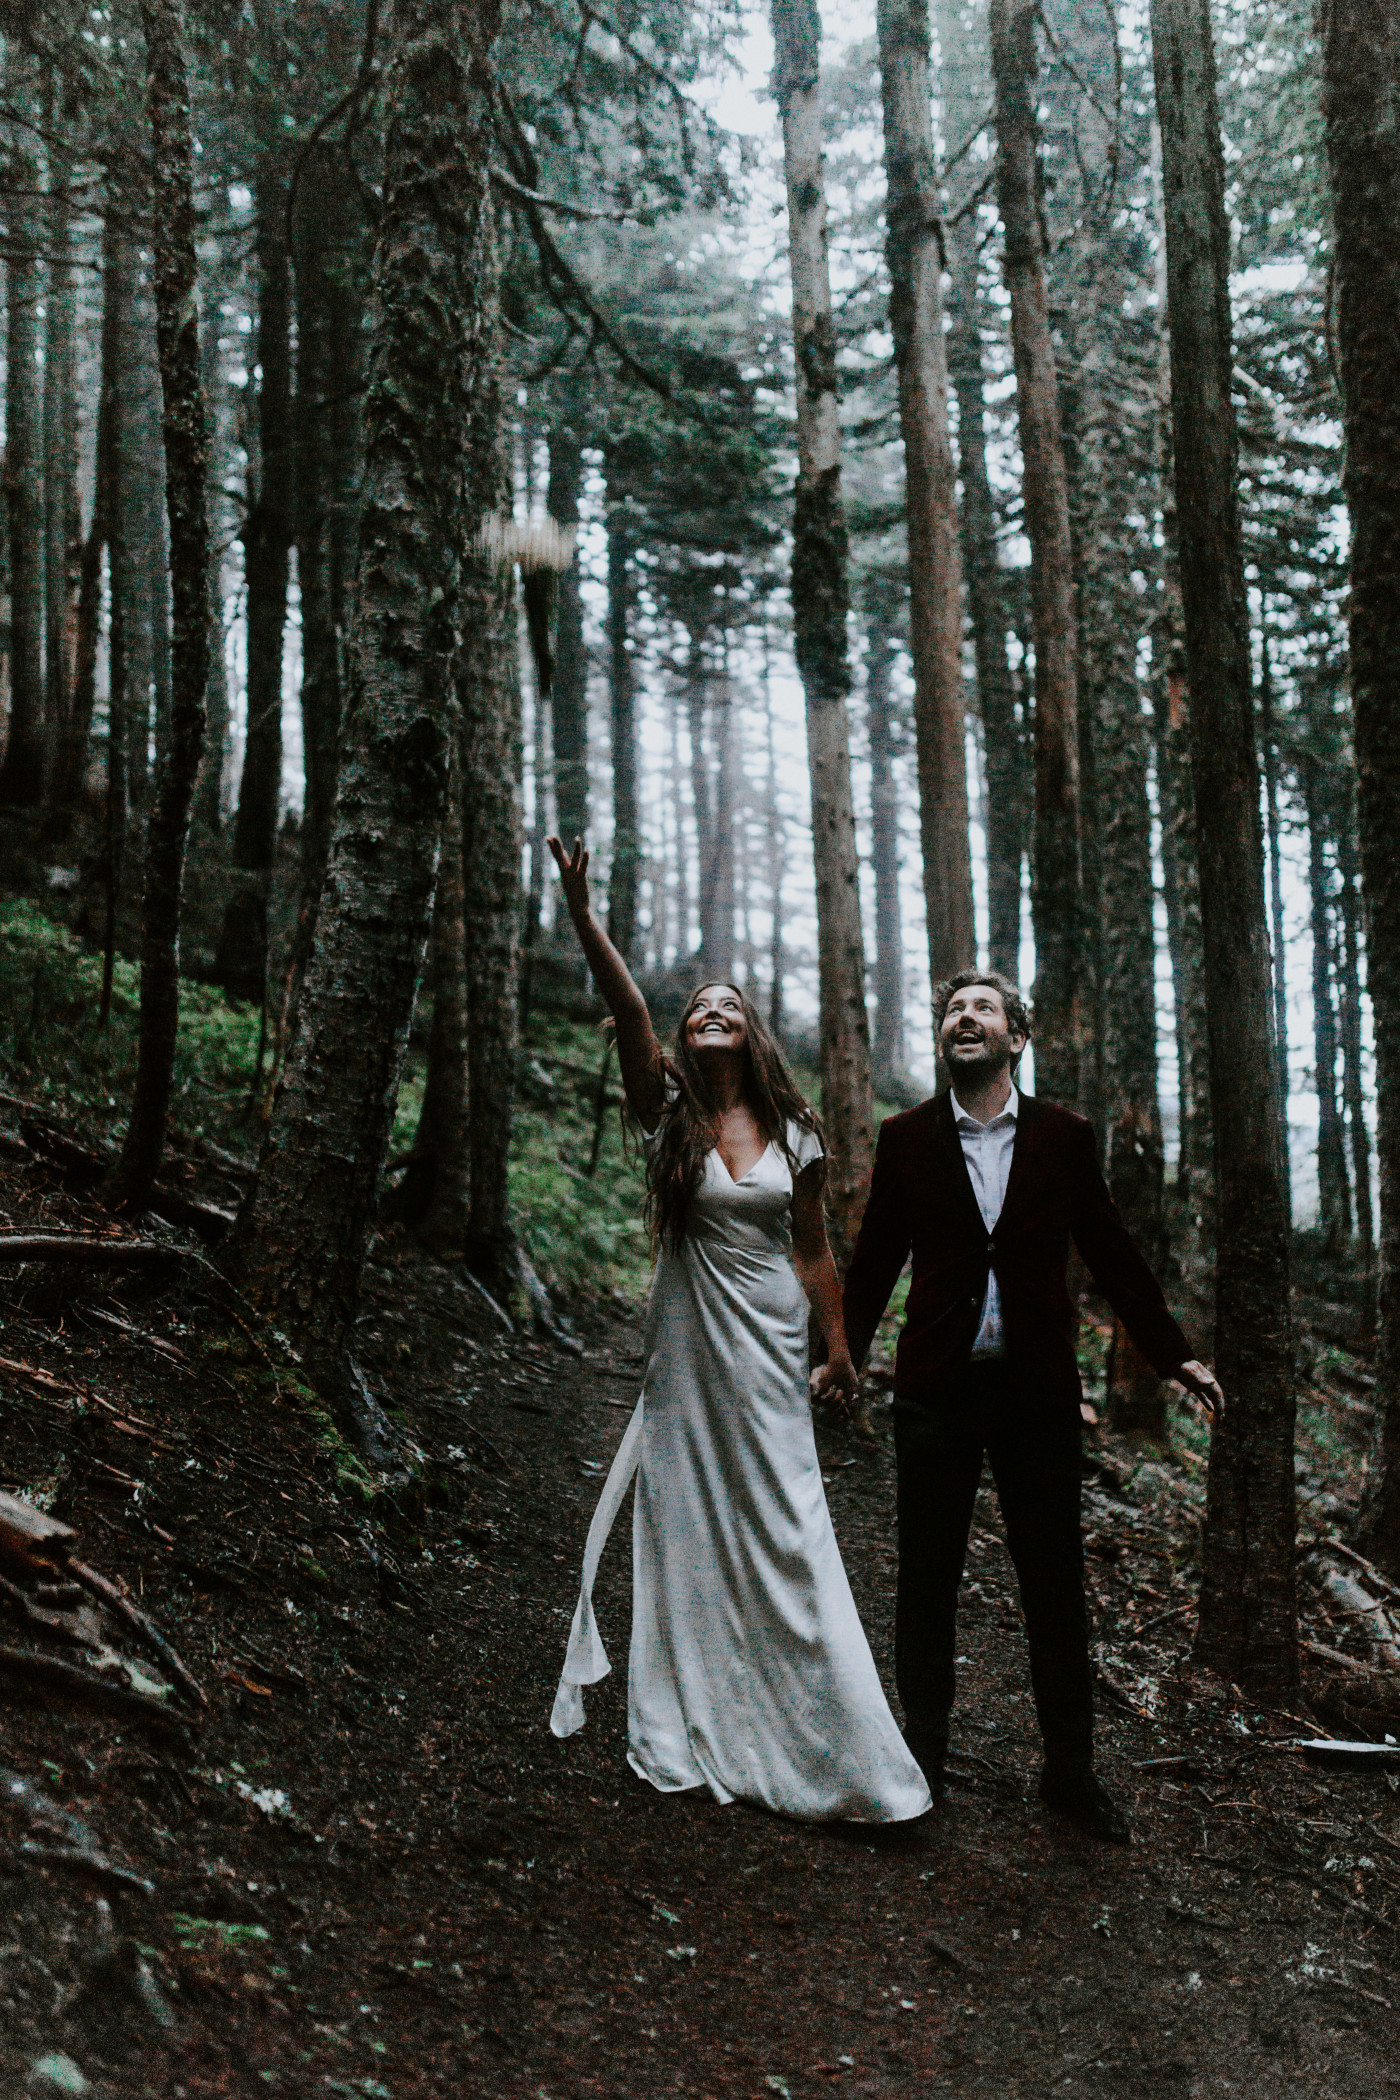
749	1671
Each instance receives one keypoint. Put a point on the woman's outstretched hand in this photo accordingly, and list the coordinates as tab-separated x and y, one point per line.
573	874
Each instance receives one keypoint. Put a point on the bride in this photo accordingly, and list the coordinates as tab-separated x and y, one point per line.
749	1672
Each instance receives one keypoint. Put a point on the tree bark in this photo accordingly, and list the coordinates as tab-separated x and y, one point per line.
429	478
209	795
964	85
777	947
1361	58
26	748
884	851
492	836
626	846
1333	1187
1248	1621
436	1193
915	263
186	475
1353	1081
1268	741
1056	897
820	602
569	688
267	543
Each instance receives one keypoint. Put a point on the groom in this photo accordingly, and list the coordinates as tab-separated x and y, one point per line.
987	1187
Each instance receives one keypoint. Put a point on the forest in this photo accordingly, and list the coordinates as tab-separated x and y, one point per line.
911	488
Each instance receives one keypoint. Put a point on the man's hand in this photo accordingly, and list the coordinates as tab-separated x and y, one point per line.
835	1384
1201	1383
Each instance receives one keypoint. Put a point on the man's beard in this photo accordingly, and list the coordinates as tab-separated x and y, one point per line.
982	1056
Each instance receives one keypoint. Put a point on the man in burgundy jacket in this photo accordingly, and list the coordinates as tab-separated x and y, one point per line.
986	1188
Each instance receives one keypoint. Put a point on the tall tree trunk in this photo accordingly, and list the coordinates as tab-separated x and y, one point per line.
1333	1188
569	688
820	601
119	279
961	74
492	839
209	795
626	848
140	391
777	947
429	478
913	255
1361	56
1268	740
319	259
186	476
884	850
1056	896
1248	1624
1353	1081
26	748
436	1193
71	760
267	543
62	511
1193	1216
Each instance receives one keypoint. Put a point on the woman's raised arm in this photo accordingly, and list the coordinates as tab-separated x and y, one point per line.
638	1052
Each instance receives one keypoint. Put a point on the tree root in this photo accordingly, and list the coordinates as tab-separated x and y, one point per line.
139	1624
69	1682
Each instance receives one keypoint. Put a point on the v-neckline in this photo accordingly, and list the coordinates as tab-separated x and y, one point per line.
737	1180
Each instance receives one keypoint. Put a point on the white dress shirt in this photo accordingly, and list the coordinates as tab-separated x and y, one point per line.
987	1148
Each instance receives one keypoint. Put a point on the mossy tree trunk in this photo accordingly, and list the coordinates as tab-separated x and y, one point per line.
186	476
1333	1182
1361	58
569	690
820	603
1248	1628
913	252
429	478
626	844
888	974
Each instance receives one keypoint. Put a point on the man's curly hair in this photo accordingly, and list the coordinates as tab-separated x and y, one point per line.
1018	1012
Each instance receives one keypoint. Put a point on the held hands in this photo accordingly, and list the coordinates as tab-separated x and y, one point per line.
835	1384
573	876
1200	1382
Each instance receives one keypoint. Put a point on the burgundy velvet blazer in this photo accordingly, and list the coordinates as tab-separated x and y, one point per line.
922	1202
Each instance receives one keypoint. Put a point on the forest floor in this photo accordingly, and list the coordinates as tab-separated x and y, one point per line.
372	1871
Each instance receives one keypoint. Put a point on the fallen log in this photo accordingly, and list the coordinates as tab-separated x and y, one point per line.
86	1689
1381	1584
140	1625
1347	1594
31	1541
87	1250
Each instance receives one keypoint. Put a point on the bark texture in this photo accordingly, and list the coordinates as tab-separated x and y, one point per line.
1361	56
186	477
1056	894
914	259
626	845
62	512
1333	1183
1248	1622
300	1241
820	602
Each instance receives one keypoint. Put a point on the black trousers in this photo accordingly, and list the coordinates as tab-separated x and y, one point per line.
1034	1454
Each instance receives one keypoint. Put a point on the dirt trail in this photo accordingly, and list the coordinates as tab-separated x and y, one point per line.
376	1873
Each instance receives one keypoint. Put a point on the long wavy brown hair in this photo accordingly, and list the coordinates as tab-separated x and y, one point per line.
689	1126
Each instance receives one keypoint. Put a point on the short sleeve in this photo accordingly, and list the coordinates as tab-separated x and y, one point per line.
804	1145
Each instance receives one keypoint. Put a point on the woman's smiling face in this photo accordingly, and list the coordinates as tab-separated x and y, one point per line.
716	1020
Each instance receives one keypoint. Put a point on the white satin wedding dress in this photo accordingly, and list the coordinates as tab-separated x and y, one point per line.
749	1671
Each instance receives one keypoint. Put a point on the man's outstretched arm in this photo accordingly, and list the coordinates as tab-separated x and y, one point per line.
1118	1267
881	1250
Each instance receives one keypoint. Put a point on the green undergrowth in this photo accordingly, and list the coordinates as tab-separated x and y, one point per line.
584	1230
